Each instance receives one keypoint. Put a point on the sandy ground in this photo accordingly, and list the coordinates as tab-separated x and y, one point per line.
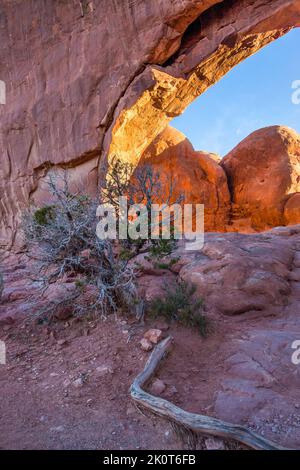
66	384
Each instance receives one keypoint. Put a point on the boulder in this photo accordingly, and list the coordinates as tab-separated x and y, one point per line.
263	170
196	176
238	273
153	335
146	345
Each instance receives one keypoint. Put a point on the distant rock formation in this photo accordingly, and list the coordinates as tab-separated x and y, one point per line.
263	174
195	175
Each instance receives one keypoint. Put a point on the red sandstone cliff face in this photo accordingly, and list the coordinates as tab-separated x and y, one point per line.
88	77
66	66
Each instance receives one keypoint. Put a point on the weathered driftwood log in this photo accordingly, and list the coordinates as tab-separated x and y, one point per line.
194	422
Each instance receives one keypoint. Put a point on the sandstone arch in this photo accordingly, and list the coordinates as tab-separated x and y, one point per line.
82	84
219	39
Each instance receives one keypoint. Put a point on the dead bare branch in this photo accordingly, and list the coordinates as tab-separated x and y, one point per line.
62	236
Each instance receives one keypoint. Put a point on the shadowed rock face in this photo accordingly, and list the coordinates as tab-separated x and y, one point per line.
239	273
87	77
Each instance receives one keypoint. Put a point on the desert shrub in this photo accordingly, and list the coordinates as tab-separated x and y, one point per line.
143	185
43	215
166	265
162	247
62	237
125	254
180	305
80	284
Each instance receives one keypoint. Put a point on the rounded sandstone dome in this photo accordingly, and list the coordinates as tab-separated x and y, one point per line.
263	170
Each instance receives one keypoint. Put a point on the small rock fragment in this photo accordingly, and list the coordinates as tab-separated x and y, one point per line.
146	345
154	335
78	382
57	429
103	370
157	387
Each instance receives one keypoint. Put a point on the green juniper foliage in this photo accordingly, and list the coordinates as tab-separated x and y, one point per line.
180	305
43	215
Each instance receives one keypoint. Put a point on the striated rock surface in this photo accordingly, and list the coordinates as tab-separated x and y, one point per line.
237	273
194	175
263	170
91	77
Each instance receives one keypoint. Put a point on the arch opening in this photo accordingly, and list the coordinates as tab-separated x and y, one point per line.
220	40
262	91
141	130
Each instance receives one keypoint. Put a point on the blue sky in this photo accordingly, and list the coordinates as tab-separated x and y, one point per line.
255	94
